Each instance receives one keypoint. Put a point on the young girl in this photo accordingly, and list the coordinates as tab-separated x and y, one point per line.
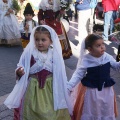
41	91
27	25
96	98
9	30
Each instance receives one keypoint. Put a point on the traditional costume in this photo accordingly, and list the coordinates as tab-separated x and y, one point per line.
9	29
49	10
95	95
41	93
25	34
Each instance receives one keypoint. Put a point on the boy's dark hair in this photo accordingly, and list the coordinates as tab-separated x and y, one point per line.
28	10
90	39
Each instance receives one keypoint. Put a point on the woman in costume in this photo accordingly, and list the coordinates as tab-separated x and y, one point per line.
49	14
9	28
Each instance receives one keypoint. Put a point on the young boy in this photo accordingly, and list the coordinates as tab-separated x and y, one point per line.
27	25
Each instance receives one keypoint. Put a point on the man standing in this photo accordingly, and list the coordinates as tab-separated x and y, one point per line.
110	8
85	23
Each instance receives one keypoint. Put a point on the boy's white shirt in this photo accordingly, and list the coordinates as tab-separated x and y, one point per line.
60	94
90	61
21	26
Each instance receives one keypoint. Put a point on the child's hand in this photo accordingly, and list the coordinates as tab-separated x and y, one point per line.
10	10
7	13
20	72
26	27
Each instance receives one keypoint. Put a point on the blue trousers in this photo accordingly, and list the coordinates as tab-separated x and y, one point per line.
109	18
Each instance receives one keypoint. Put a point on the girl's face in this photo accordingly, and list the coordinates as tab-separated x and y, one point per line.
98	48
42	41
5	1
28	17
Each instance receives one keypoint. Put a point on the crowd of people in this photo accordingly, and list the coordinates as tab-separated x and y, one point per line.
42	91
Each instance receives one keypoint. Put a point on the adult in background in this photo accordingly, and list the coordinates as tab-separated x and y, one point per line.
85	19
49	14
110	8
9	29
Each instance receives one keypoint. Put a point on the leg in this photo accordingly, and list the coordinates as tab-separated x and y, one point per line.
114	16
107	17
83	26
91	22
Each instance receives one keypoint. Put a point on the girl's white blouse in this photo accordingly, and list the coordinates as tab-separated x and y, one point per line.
43	61
90	61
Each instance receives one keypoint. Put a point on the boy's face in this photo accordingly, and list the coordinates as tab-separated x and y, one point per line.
5	1
42	42
28	17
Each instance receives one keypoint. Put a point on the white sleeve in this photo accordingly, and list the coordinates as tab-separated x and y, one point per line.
36	23
114	65
77	77
20	64
21	27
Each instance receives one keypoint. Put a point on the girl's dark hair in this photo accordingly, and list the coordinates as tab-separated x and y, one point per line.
90	40
43	30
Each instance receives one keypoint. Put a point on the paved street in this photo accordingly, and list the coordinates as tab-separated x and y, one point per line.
9	57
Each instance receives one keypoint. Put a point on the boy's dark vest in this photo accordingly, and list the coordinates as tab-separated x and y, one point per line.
98	77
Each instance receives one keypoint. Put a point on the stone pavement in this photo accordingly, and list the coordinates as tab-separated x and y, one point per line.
9	57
